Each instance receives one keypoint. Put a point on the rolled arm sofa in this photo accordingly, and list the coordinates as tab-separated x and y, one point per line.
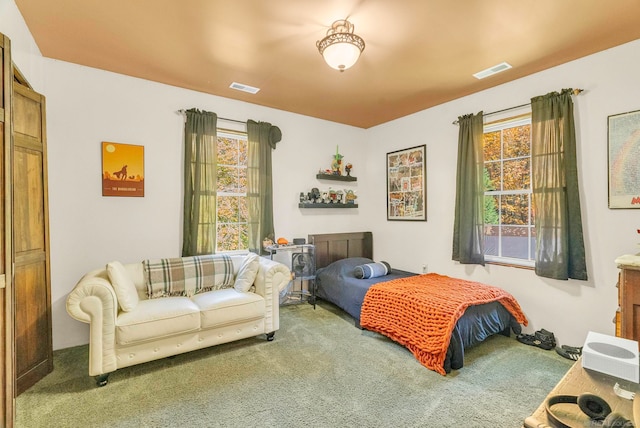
145	311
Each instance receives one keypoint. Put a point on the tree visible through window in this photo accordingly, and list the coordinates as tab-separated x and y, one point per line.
232	210
508	215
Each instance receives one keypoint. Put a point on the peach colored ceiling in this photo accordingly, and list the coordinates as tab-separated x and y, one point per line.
419	53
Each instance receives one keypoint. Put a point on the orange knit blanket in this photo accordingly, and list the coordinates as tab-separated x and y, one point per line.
420	312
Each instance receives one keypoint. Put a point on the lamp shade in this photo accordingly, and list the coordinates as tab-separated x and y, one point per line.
341	48
341	55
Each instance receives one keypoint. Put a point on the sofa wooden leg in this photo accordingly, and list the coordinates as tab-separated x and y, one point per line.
103	379
270	336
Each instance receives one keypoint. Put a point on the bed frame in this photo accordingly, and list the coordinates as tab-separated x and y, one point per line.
335	246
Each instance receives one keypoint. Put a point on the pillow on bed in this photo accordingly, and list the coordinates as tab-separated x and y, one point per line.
372	270
342	268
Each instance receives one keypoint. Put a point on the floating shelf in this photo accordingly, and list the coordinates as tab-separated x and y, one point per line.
336	177
327	205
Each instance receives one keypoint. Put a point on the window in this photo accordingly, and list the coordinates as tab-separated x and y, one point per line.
232	210
508	215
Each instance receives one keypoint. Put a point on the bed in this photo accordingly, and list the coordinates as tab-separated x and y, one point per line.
338	254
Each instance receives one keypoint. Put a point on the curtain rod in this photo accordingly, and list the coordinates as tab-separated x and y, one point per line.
219	118
575	92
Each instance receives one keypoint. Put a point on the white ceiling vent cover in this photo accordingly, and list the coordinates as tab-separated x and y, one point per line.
244	88
492	70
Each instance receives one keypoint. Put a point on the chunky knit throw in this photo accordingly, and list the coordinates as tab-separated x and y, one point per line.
420	312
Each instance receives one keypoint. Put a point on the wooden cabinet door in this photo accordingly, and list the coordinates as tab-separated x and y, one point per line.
7	402
34	350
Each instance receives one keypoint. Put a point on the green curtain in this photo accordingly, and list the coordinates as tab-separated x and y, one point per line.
556	202
468	228
200	177
262	138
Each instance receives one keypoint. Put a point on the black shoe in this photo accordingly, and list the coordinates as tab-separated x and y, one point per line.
532	340
568	354
573	349
546	338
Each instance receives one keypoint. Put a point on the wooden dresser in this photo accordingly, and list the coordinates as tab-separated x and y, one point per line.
628	314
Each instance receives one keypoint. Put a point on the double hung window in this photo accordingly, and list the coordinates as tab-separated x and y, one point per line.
232	211
509	230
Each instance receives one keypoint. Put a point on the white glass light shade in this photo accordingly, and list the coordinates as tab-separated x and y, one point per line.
341	55
341	48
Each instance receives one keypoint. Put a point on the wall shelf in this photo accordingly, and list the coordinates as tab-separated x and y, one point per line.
327	205
336	177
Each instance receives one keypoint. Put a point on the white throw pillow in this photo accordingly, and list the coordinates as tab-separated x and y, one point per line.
247	273
123	286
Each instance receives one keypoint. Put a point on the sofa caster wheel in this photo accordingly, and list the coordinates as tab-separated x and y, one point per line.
102	380
270	336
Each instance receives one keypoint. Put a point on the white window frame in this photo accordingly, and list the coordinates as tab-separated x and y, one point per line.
530	262
237	135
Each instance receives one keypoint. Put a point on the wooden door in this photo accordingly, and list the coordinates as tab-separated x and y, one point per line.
7	402
34	350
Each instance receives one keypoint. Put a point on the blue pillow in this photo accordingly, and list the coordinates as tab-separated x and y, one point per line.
372	270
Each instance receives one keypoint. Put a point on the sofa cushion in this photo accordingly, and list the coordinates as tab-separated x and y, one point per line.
186	276
156	318
123	286
228	307
247	273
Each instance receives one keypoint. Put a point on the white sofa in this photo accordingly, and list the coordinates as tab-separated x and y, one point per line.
126	327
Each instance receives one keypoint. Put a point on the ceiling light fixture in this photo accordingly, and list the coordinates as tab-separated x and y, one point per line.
341	48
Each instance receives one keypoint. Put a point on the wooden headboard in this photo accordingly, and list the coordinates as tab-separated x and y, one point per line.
335	246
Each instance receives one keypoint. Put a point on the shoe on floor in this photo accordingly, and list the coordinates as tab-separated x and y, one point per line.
574	349
535	340
547	338
569	354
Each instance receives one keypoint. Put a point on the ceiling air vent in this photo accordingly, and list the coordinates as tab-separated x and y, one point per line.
492	70
244	88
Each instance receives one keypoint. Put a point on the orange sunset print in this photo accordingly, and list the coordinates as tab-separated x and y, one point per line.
122	169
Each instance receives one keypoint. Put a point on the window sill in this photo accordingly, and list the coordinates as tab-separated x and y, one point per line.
497	263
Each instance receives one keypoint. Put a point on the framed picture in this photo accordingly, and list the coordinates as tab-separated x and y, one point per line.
407	184
122	169
624	160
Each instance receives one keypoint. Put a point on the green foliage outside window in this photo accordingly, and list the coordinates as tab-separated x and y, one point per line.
491	216
508	216
232	210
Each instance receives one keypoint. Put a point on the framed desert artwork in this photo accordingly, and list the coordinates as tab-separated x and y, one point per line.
122	169
624	160
407	184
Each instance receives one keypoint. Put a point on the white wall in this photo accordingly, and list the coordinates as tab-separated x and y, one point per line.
25	52
86	106
568	308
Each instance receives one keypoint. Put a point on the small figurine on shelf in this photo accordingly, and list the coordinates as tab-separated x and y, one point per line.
347	168
339	197
332	196
336	165
350	196
314	196
267	242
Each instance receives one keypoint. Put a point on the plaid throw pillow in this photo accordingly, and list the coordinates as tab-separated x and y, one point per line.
186	276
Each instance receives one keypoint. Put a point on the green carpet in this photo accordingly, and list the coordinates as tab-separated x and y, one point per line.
320	371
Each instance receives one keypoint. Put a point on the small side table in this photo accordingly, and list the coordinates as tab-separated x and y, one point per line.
302	264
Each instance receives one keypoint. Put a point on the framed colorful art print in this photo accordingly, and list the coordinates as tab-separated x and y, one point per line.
122	169
624	160
407	184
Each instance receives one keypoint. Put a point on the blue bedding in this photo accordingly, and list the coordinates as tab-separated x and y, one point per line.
337	284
